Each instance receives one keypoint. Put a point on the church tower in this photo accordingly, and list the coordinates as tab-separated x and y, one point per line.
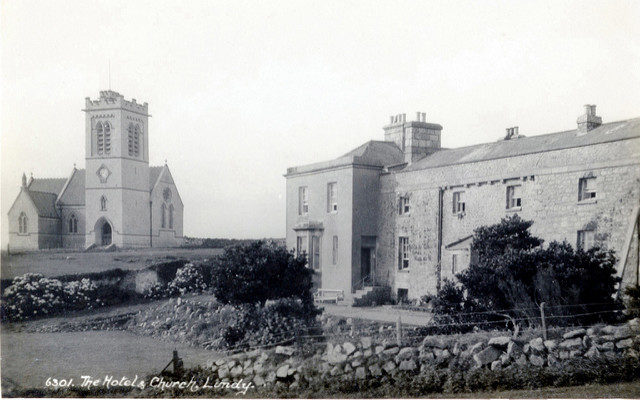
117	171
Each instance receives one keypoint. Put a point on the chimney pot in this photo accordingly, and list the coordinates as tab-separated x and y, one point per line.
418	116
424	117
391	119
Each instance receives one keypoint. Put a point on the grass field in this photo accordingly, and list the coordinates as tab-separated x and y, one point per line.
56	263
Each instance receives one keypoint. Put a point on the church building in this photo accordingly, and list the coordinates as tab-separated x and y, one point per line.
117	200
397	215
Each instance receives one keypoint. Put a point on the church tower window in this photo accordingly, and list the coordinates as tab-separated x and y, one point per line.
163	213
103	203
99	138
136	141
171	216
22	223
107	138
130	136
73	224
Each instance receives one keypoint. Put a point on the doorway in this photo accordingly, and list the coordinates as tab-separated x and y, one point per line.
105	234
365	266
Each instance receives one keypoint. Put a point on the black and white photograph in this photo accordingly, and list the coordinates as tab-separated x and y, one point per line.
320	199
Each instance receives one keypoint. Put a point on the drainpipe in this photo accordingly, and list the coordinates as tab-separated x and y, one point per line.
150	223
439	265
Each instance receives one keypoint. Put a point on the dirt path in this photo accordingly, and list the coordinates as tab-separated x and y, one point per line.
380	314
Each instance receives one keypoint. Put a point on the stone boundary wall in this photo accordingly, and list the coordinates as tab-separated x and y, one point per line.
364	359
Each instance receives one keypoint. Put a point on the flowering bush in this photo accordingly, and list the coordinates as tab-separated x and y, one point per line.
32	295
188	279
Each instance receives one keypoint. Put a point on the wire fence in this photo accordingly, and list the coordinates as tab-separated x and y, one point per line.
314	336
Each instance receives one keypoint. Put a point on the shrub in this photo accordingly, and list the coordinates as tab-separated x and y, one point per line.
32	295
513	274
259	272
187	279
632	301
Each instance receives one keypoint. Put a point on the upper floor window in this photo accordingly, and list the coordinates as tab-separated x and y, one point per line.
458	203
103	203
514	198
73	224
586	239
332	197
303	201
403	252
103	138
335	250
404	206
22	223
586	189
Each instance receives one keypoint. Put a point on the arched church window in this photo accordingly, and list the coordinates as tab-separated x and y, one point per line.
163	212
103	203
171	216
136	140
73	224
99	138
107	138
22	223
130	137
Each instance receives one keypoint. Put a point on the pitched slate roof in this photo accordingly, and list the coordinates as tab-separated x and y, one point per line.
73	194
373	153
47	185
154	174
45	203
608	132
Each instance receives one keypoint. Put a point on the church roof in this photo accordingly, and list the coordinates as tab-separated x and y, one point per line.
154	175
45	203
608	132
73	194
47	185
373	153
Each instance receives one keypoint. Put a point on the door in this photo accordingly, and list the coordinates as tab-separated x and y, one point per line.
365	265
106	234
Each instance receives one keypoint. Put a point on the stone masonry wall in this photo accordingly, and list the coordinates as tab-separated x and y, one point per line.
549	184
365	359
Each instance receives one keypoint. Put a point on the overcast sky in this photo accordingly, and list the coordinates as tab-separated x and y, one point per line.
239	91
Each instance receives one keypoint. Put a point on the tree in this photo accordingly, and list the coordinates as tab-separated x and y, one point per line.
258	272
514	274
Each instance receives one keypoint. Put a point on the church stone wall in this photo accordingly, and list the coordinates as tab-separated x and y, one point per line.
166	237
49	233
18	241
70	240
549	182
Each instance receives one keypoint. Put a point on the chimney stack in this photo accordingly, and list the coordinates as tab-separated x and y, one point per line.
415	139
589	120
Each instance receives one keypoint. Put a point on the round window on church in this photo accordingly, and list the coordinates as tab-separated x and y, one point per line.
166	194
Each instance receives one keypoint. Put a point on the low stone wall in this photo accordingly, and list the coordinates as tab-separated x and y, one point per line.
289	365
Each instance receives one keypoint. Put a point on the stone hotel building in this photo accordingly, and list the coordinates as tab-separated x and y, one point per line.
397	215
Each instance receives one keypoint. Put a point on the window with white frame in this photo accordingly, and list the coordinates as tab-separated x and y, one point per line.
314	262
454	264
458	203
303	201
586	239
404	205
299	244
586	189
335	250
403	252
332	197
514	198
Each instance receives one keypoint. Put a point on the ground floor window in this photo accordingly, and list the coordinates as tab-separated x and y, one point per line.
403	295
314	253
403	252
586	239
454	264
335	250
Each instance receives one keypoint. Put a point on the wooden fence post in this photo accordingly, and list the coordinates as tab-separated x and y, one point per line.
399	331
544	322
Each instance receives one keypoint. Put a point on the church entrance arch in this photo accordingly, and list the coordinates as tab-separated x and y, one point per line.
104	232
